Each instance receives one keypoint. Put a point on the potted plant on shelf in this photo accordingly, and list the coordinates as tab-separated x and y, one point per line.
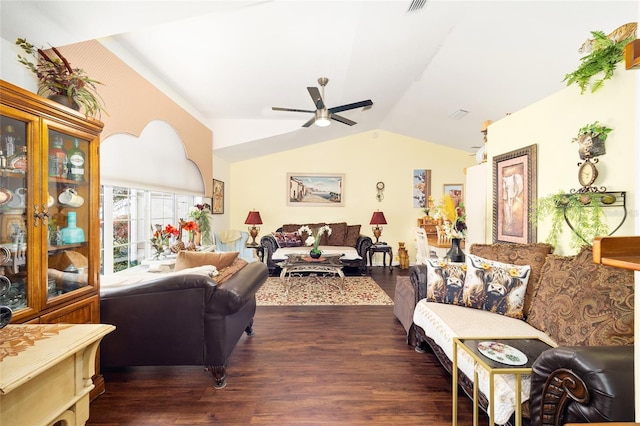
591	139
605	54
59	81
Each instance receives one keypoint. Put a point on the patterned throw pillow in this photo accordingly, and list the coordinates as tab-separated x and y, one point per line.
583	303
495	286
445	281
532	254
287	239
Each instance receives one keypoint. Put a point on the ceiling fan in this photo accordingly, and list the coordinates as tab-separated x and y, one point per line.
323	115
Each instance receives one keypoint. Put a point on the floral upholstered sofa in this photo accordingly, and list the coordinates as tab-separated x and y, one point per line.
344	239
583	310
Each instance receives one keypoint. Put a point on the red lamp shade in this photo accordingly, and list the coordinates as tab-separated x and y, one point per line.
378	219
253	218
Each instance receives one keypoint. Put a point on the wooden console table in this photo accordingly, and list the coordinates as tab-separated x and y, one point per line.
46	370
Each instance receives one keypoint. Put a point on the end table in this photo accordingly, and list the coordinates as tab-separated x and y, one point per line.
384	249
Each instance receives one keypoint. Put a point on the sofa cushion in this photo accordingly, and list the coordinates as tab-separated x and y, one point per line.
533	254
226	273
495	286
189	259
337	237
445	281
287	239
353	233
583	303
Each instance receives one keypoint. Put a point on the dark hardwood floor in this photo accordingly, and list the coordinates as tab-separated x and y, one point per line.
315	365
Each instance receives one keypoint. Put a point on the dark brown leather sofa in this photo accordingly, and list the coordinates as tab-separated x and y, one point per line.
180	320
360	242
592	382
582	384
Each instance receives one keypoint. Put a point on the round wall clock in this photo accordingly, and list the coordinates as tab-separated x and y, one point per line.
380	188
587	173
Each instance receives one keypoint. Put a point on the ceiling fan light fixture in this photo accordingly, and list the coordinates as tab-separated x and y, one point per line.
322	118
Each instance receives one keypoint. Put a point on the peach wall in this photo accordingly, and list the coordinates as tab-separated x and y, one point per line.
132	102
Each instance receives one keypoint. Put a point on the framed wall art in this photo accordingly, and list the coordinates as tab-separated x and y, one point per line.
315	189
514	192
218	197
455	191
421	187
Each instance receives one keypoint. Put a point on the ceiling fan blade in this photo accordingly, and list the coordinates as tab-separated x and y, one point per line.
315	96
342	119
310	122
291	109
361	104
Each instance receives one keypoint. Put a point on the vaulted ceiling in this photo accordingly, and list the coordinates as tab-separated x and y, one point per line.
229	62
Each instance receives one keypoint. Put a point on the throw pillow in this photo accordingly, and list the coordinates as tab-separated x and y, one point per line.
353	233
445	281
287	239
338	235
532	254
189	259
584	303
229	271
495	286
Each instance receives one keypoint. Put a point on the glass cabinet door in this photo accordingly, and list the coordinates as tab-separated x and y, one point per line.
68	223
14	199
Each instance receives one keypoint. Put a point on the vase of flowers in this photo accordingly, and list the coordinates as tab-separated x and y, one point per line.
160	239
200	213
191	227
315	252
453	219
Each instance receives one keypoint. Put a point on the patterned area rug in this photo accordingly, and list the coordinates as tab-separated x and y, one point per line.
319	291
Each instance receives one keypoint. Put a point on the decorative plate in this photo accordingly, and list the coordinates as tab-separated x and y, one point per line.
5	196
502	353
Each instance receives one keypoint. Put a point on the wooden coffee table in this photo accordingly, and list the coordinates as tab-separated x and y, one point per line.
297	265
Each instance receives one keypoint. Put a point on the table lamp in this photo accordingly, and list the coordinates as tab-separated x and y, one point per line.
377	219
253	219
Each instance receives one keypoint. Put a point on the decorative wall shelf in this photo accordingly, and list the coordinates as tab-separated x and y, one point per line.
607	200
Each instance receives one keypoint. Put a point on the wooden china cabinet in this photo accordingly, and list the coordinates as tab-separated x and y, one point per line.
49	179
37	234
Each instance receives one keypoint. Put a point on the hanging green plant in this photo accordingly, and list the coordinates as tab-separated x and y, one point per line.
604	57
583	211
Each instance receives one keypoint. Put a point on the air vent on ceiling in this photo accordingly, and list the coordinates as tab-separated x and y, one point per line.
416	5
457	115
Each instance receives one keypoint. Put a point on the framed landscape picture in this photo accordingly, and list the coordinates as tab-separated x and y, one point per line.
514	192
218	197
315	189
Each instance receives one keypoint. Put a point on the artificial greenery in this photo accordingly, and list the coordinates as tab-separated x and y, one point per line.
594	129
57	77
583	210
604	57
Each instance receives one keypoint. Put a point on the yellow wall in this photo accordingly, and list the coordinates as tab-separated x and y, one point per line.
553	122
365	159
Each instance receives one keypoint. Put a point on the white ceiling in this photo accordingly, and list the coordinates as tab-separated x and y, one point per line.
229	62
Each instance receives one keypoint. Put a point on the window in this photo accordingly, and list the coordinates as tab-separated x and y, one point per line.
127	216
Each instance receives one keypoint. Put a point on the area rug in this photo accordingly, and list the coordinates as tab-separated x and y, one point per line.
317	291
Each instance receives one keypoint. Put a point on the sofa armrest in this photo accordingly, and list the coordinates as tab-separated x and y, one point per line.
269	245
418	277
238	290
362	247
582	383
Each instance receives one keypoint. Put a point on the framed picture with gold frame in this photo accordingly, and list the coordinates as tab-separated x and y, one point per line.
218	197
514	192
